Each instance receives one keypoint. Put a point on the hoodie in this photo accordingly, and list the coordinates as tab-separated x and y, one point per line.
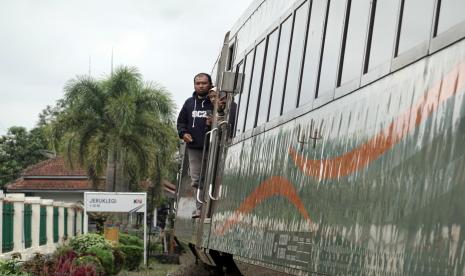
192	119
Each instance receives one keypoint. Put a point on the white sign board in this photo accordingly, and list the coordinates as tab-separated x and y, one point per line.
115	202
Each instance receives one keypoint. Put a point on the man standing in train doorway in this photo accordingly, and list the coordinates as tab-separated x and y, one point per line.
192	127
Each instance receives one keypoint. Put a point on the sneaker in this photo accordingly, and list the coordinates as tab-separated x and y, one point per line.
196	214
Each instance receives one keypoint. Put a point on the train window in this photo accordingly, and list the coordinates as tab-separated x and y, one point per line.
280	70
230	57
451	13
237	97
267	77
416	23
255	86
331	48
352	55
382	32
295	58
312	52
245	93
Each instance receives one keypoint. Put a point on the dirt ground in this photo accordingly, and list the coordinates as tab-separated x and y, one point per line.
186	268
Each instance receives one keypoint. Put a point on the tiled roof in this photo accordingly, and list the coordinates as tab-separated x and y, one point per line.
53	184
54	174
54	166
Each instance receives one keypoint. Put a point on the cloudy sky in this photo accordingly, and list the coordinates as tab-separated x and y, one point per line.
45	43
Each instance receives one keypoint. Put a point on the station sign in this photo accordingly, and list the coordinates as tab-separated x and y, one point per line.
115	202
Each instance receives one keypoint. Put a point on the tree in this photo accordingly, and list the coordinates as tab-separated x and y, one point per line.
118	125
20	149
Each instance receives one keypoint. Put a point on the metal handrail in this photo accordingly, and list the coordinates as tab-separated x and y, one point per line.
210	189
198	199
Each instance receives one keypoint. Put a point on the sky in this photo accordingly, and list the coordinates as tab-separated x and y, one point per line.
44	44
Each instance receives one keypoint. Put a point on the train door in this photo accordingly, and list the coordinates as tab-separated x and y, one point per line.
218	137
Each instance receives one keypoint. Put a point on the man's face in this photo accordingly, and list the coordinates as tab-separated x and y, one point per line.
202	85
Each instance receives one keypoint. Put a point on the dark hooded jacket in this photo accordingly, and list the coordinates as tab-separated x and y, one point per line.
192	119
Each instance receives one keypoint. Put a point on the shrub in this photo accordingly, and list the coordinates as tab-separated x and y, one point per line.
106	258
10	267
83	270
64	262
134	256
89	260
83	242
127	239
155	247
39	265
62	250
120	259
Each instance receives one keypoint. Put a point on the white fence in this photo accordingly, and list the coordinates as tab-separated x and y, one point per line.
25	230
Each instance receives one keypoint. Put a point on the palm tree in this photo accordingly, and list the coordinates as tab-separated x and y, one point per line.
119	125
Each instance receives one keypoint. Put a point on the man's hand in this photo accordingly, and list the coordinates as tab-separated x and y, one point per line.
187	138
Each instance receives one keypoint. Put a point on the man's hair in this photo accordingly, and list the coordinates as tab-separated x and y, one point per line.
204	75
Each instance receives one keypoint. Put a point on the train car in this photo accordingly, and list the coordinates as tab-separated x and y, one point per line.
348	148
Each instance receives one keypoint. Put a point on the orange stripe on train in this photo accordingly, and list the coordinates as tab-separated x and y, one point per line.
364	154
273	186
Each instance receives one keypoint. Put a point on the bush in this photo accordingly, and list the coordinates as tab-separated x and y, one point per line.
83	270
39	265
155	247
89	260
62	250
120	259
106	258
134	256
64	262
126	239
11	267
82	243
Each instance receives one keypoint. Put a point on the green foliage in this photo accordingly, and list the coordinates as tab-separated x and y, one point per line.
89	260
39	265
83	243
120	259
20	149
106	258
120	120
134	256
155	247
11	267
126	239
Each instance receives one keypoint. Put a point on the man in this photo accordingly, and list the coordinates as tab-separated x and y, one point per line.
192	126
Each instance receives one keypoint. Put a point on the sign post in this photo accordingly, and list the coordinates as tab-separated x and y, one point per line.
117	203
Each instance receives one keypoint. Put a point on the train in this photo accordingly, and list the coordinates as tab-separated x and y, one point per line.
346	155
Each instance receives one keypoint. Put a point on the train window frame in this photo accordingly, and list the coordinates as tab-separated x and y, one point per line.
286	64
238	67
417	52
328	95
379	71
448	37
352	85
301	54
231	55
273	69
252	53
260	82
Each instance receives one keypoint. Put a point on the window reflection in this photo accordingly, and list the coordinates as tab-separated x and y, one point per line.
268	77
280	71
416	23
355	40
331	48
451	13
383	31
295	60
312	52
255	86
245	93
